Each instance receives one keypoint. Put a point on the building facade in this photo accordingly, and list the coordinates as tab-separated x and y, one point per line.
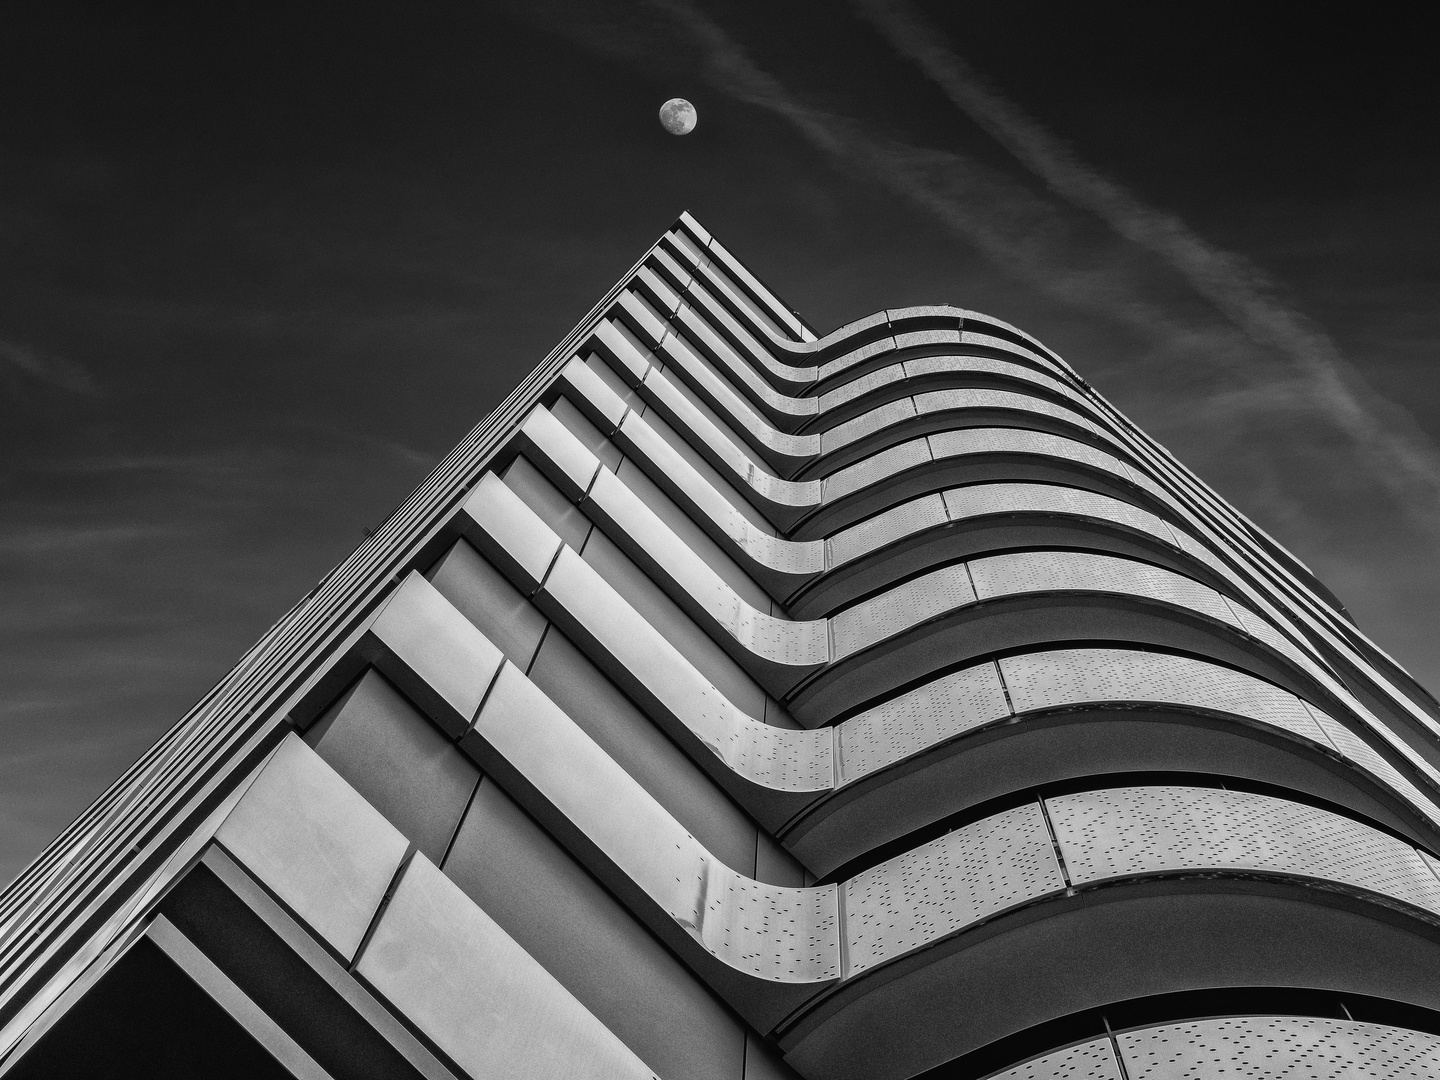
740	704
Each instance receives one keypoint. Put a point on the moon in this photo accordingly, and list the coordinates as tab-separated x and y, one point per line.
677	116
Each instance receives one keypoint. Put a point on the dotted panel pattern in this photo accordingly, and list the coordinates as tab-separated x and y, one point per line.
970	337
851	359
1089	1061
904	606
1352	747
877	419
1279	1048
780	758
1127	831
944	365
783	492
920	719
1050	680
1201	553
948	444
860	387
786	556
980	499
945	400
1265	633
875	468
1079	571
774	933
948	884
882	529
782	640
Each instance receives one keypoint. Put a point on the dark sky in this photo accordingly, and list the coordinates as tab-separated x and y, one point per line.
261	267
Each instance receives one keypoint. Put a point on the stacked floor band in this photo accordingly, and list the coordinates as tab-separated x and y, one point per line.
740	704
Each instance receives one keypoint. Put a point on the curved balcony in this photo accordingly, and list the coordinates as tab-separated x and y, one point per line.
826	667
1243	1046
881	939
976	734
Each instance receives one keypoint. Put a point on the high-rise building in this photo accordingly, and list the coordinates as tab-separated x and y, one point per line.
736	704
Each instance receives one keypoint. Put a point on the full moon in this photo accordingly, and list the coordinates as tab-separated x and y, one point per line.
677	116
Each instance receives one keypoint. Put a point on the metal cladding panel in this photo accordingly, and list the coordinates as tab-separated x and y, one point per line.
875	468
781	758
1200	552
774	933
1279	1048
1356	749
867	423
787	760
1261	630
917	600
943	365
404	766
1079	571
915	721
714	904
458	977
948	884
1094	1060
439	644
934	401
783	640
800	558
734	408
980	499
511	526
872	380
491	603
585	784
315	843
927	337
1066	677
1131	831
993	440
894	524
856	356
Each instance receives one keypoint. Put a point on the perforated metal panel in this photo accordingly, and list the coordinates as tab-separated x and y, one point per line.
1094	1060
780	758
927	337
985	398
1200	552
905	605
786	556
1048	680
1263	631
782	492
979	499
1080	571
940	365
871	380
1128	831
774	933
854	357
1279	1048
1020	441
1353	747
947	884
875	468
903	520
868	423
920	719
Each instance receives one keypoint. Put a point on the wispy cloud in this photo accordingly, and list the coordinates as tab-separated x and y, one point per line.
53	371
1403	457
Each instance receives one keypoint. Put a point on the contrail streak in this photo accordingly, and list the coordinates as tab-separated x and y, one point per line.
1231	283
